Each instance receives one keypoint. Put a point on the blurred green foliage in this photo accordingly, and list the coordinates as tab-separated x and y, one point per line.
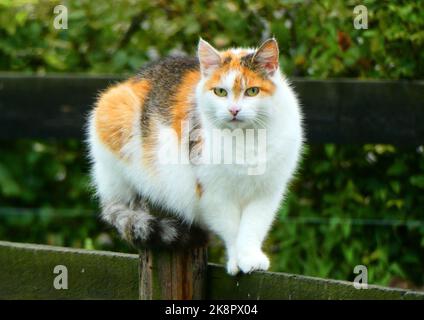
349	205
317	38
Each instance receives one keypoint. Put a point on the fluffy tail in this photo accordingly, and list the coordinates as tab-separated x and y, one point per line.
139	227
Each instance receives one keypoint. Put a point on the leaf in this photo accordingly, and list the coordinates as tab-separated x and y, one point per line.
417	181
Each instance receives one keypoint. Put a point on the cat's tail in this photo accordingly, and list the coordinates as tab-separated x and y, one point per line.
139	227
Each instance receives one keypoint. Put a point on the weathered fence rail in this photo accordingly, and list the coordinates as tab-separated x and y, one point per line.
27	272
340	111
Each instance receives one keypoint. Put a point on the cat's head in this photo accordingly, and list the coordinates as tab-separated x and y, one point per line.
237	85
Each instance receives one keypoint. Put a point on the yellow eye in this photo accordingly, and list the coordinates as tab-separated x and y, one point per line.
220	92
251	92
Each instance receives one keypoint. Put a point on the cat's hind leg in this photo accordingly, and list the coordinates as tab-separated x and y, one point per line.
130	214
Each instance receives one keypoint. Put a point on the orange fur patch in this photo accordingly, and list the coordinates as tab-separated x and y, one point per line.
182	99
233	55
199	189
247	77
149	147
252	79
238	86
116	111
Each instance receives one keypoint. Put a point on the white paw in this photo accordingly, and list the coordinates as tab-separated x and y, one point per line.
252	261
232	267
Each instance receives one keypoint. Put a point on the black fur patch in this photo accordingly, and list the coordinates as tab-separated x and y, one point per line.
195	138
247	61
189	236
164	76
227	60
250	63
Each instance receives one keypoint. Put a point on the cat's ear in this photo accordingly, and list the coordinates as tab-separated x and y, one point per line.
209	57
266	57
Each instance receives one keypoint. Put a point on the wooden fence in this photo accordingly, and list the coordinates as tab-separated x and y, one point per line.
26	272
338	111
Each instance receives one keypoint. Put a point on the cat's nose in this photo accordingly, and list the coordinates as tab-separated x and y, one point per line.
234	110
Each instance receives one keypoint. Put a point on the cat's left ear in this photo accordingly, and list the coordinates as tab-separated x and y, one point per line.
267	56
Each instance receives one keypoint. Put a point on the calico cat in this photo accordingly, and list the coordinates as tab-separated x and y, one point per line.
151	141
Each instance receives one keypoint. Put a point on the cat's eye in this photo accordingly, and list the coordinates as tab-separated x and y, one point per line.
220	92
251	92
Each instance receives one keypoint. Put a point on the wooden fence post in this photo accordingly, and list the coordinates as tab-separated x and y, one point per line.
167	274
174	273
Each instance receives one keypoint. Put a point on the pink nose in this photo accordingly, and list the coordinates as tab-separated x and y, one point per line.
234	111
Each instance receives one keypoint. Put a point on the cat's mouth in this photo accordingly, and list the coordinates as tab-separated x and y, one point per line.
234	122
237	123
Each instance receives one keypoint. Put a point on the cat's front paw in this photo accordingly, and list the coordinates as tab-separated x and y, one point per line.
254	260
232	267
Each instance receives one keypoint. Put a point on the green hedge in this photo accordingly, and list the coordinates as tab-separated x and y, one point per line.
349	205
317	39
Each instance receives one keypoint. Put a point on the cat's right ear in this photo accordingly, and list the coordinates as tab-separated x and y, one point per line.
209	57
